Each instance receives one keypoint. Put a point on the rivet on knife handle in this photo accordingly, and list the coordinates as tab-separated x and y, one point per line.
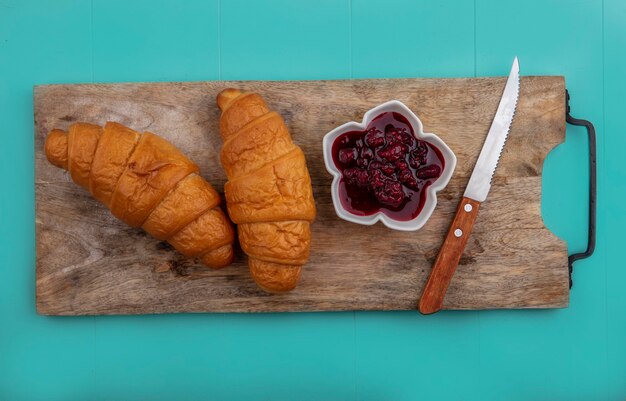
449	256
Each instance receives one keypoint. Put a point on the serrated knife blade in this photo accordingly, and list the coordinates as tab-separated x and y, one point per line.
475	193
480	180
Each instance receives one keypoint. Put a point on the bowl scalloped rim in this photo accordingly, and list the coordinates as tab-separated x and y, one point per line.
431	195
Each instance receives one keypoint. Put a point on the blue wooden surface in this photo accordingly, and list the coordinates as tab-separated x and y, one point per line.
573	354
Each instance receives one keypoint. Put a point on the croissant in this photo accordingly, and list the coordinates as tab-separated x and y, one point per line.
268	193
146	182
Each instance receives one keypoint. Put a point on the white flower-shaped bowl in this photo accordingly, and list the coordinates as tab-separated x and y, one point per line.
430	202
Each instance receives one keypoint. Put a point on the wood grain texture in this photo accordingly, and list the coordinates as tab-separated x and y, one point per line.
449	256
90	263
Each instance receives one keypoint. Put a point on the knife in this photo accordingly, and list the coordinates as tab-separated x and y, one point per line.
475	193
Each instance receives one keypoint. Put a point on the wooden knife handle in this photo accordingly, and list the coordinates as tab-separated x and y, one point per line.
449	256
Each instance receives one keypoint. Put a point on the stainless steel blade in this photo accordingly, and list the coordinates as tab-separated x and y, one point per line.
480	181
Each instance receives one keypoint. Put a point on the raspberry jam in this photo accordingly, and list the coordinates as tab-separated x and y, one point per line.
385	168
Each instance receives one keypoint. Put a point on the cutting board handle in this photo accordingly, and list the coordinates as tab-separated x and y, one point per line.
591	234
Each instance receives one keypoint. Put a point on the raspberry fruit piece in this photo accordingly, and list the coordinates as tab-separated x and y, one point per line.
393	152
387	168
393	134
390	193
347	156
377	180
357	176
418	155
432	171
407	178
374	138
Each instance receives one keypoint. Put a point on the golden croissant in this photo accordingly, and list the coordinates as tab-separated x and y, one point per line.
268	193
146	182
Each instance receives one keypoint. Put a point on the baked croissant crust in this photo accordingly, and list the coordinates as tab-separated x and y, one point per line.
268	193
146	182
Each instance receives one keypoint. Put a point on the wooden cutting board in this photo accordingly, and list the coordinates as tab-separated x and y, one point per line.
89	263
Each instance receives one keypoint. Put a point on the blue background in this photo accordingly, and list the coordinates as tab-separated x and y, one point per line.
572	354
